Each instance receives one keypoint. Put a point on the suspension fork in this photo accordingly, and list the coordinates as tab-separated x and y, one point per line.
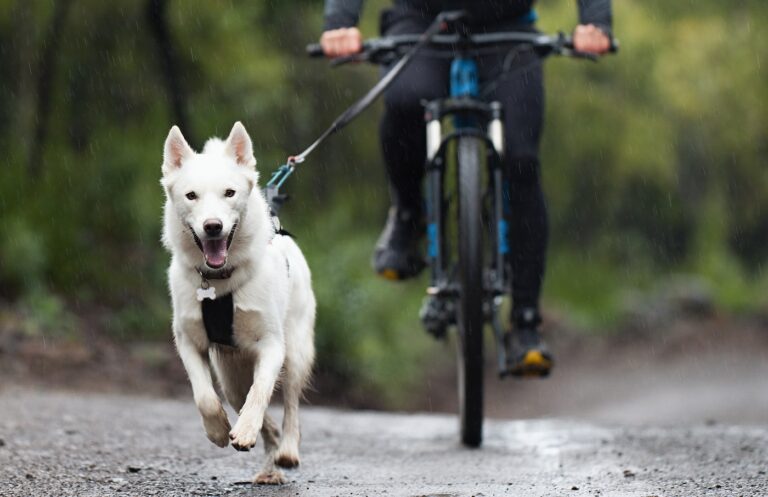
495	130
500	276
435	166
435	215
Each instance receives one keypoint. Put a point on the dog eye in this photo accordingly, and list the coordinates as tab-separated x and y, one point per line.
191	195
229	193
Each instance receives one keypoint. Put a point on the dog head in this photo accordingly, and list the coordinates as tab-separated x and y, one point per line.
209	192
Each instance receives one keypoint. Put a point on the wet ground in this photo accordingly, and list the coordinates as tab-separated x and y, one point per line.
64	444
679	410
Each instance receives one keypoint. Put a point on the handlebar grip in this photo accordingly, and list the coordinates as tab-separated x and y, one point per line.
315	50
614	48
614	45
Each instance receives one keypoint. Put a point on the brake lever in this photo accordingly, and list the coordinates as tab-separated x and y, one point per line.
564	47
453	16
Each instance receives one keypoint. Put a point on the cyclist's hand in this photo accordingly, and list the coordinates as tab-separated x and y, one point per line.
341	42
590	39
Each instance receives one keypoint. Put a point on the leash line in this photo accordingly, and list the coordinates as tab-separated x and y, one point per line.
439	24
357	108
274	198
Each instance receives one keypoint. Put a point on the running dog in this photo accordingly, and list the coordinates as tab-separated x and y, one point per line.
243	305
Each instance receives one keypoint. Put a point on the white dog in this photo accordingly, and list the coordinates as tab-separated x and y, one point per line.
242	296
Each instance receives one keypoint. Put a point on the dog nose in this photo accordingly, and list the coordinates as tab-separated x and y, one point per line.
212	227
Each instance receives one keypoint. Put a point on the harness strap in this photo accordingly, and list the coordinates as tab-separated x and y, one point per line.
218	319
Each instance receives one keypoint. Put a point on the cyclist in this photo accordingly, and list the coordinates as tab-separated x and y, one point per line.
403	142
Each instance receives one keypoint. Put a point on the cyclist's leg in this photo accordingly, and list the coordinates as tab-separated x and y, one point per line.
403	145
522	94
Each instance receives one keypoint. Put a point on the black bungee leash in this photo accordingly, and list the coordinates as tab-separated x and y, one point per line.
272	188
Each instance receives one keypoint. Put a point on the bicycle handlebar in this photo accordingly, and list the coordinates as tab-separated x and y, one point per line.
384	50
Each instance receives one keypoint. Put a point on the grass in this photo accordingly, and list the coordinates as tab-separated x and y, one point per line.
589	291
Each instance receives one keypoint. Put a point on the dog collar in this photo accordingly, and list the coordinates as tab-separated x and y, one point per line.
206	291
223	273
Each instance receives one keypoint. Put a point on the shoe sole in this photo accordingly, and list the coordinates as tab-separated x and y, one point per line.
390	274
533	365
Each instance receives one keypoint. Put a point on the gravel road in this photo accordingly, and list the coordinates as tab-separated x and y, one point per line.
74	444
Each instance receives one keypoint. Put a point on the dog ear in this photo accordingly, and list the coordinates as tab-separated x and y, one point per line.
239	146
176	150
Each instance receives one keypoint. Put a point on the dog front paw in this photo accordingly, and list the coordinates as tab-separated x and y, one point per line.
216	423
244	434
273	477
217	431
287	457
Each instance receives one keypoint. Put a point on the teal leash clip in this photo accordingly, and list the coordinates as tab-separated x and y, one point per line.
272	190
279	176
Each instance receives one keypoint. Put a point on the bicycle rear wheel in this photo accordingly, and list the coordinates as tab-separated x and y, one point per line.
470	308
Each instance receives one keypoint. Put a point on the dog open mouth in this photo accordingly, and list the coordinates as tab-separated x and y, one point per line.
215	251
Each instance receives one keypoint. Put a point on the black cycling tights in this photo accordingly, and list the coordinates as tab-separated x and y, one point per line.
521	93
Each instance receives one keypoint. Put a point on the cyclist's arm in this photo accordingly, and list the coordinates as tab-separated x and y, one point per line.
341	14
595	22
598	13
340	36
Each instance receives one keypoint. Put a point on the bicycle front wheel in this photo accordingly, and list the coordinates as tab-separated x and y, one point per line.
470	308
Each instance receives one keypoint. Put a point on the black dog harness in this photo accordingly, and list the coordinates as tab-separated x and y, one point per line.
218	319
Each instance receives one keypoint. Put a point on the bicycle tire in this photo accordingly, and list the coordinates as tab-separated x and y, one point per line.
470	309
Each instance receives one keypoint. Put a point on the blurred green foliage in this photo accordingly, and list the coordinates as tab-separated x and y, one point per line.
653	162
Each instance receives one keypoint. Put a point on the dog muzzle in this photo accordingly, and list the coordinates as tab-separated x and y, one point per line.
215	251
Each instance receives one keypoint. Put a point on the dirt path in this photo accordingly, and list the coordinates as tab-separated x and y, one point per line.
686	370
679	411
695	371
58	444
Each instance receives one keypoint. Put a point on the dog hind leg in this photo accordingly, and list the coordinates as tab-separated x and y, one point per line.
287	455
269	474
234	373
298	366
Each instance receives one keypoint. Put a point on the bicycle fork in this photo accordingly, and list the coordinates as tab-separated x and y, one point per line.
439	310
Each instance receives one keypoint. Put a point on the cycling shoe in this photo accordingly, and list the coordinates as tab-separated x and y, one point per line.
527	354
398	254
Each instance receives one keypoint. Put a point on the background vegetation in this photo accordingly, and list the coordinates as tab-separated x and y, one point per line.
653	162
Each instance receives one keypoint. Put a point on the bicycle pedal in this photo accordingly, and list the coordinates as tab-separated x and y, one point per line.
436	315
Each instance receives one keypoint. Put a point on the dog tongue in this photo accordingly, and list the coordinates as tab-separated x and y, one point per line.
215	252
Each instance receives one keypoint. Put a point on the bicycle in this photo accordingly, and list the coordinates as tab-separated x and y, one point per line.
464	292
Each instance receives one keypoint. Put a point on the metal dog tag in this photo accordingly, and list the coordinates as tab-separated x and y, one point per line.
206	291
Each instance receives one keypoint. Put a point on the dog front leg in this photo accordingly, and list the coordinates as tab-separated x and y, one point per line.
207	400
270	353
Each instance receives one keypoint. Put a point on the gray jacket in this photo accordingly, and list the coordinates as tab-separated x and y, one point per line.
346	13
